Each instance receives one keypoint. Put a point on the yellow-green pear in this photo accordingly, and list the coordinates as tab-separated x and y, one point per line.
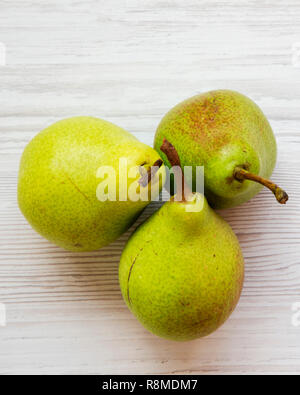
181	272
228	134
75	179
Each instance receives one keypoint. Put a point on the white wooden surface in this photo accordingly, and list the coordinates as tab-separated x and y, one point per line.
129	62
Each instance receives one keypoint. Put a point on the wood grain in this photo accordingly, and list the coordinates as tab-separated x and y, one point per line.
129	62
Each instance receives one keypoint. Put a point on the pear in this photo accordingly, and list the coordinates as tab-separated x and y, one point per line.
228	134
59	179
181	272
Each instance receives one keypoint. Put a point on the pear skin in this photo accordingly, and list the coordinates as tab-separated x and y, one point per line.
181	272
58	182
224	131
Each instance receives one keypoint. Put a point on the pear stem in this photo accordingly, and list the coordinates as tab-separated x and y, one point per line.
150	173
169	150
241	174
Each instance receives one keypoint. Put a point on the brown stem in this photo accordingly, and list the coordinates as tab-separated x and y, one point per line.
150	173
241	174
172	155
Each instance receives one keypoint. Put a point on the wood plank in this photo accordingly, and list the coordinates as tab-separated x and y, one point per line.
129	62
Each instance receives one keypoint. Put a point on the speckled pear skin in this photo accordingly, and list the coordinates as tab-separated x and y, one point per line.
220	130
181	273
57	182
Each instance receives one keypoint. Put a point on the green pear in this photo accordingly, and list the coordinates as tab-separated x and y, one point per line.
228	134
181	272
59	181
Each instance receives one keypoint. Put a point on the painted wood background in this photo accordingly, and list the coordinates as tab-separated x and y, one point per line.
129	62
